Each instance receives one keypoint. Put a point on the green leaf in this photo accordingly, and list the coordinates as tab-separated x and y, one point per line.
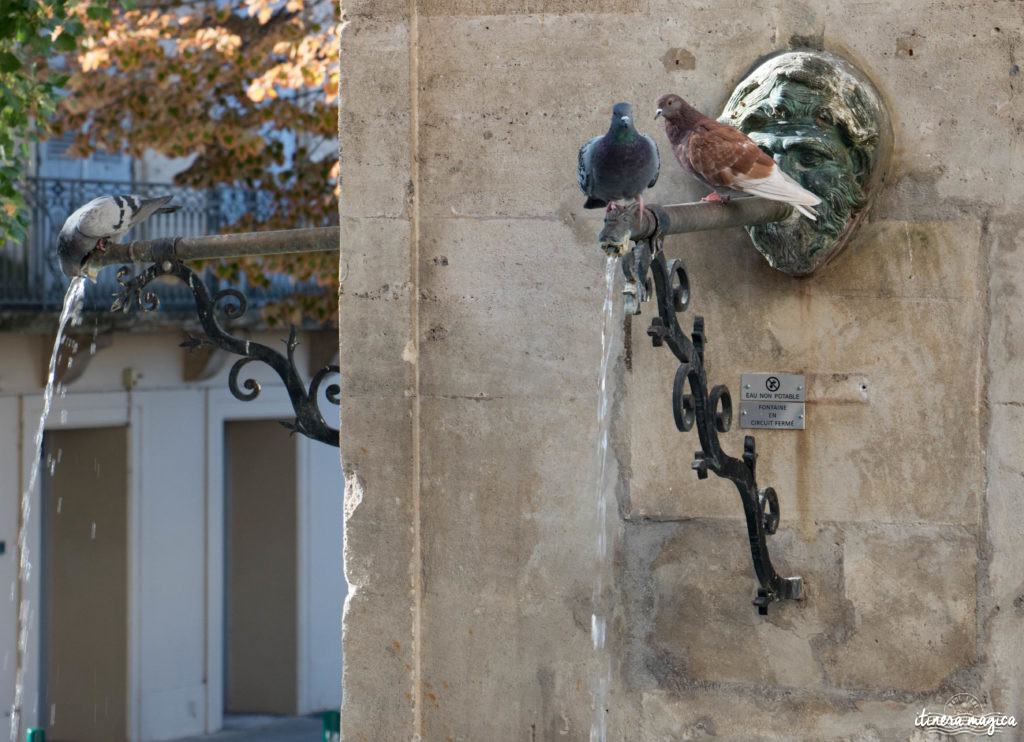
99	13
9	62
65	43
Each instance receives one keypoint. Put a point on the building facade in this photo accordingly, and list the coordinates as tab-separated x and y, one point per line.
184	550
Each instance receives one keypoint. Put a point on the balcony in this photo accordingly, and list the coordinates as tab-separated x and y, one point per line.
30	277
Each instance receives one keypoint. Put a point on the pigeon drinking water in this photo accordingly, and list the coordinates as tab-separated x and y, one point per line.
726	159
101	221
619	165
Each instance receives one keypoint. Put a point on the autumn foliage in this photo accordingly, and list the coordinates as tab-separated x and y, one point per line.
31	33
245	88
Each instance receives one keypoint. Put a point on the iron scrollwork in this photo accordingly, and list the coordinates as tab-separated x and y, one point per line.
232	303
709	411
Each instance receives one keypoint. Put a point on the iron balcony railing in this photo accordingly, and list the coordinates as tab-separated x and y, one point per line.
30	277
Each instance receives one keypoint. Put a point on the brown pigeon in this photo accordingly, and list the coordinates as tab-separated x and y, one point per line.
726	159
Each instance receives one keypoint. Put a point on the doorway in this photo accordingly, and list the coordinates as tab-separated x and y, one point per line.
84	604
260	569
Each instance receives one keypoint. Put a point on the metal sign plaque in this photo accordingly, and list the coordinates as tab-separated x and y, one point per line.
774	401
778	415
773	387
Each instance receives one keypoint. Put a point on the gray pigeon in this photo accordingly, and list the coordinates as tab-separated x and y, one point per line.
619	165
102	221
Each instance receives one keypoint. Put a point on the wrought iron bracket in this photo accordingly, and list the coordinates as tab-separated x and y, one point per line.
709	411
232	303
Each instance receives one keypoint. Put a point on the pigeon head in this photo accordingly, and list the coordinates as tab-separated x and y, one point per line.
668	104
622	113
674	108
622	120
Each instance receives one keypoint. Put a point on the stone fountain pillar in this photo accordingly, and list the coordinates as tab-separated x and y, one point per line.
470	343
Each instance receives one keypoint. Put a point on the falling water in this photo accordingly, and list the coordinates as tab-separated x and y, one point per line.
606	476
71	314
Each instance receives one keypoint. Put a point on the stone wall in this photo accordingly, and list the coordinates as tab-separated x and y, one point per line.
471	315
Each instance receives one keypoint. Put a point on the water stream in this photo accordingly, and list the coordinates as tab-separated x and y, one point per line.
71	314
605	478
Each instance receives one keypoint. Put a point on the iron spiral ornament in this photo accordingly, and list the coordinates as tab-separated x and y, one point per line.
232	304
709	411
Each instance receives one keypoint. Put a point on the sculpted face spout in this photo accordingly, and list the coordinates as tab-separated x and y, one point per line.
825	124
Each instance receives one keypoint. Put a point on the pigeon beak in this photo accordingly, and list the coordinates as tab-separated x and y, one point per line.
657	114
625	119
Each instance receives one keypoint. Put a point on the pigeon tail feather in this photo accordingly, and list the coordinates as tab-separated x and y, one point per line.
778	186
807	211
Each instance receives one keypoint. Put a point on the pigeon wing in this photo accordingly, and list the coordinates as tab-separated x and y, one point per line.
99	218
657	159
113	216
723	155
726	157
584	176
143	208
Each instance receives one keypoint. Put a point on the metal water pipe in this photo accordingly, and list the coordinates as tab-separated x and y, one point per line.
239	245
167	256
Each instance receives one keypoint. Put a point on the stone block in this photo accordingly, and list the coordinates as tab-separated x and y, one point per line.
495	553
884	607
514	8
702	626
476	651
376	450
505	313
474	143
374	127
846	331
486	464
377	626
755	713
912	597
377	676
376	326
970	63
1006	345
1004	605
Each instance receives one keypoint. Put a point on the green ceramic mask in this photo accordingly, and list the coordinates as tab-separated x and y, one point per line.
828	127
